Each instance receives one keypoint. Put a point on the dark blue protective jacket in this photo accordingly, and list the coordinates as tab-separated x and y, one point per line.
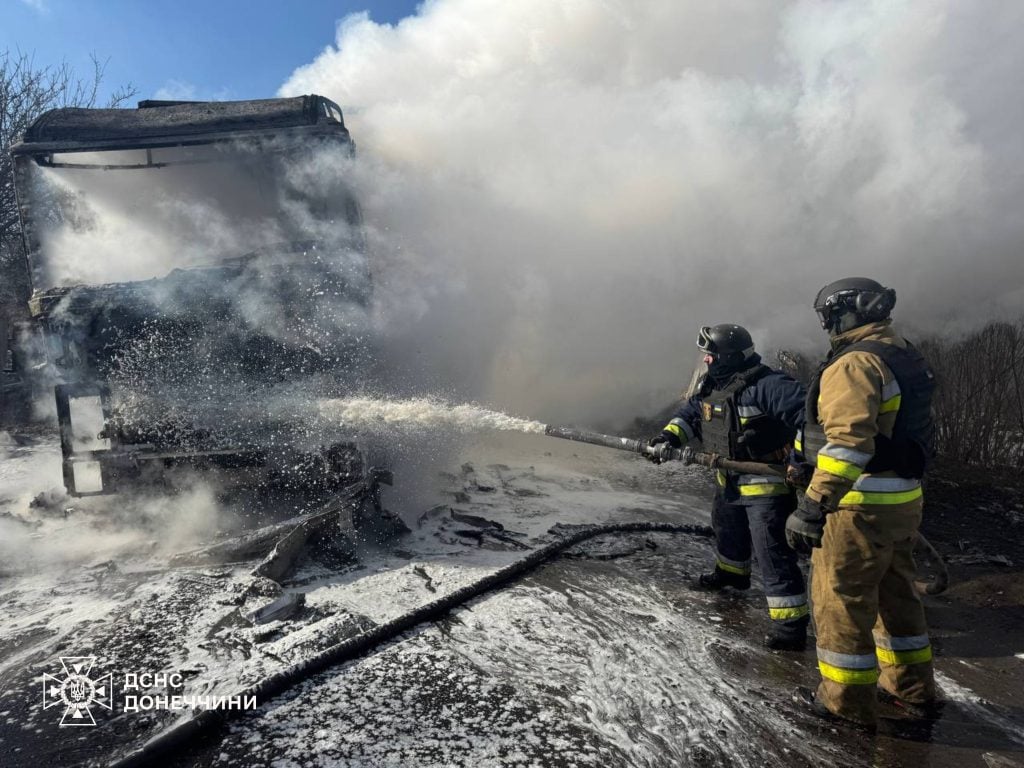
770	408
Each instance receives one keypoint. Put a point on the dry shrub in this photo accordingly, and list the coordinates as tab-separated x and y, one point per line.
979	400
979	397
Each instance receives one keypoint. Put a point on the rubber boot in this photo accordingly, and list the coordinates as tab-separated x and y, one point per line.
719	579
806	701
927	710
788	635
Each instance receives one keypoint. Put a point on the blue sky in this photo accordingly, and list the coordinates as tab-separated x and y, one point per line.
217	49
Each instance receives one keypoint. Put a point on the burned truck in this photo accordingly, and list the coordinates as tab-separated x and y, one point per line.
199	280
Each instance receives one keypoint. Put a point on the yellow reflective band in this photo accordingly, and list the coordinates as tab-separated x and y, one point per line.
720	477
764	489
880	497
838	467
848	676
743	420
675	430
890	405
896	658
799	445
781	614
732	568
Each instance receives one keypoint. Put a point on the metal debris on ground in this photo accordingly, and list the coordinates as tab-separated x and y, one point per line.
283	608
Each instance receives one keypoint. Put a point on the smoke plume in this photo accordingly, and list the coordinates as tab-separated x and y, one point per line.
558	194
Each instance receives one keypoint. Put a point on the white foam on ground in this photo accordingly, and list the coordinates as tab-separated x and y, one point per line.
979	706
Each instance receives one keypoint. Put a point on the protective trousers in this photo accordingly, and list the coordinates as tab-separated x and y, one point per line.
868	616
757	527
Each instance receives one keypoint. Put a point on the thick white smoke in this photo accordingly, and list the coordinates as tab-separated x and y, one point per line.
560	193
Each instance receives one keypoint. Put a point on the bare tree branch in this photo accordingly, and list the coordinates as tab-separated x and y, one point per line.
979	411
26	91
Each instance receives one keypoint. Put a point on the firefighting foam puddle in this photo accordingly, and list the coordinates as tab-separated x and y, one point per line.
587	662
137	615
608	659
421	414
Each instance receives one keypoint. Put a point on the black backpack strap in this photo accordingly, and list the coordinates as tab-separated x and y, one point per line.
813	390
744	379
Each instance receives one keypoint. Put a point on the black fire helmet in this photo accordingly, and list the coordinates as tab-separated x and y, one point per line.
852	302
730	345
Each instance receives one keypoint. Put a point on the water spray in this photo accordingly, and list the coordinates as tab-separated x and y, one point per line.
380	415
420	413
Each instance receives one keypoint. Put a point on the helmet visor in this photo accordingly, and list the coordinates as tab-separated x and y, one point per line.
824	316
704	341
829	307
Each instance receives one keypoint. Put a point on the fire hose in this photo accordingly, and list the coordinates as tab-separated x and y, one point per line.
664	452
156	750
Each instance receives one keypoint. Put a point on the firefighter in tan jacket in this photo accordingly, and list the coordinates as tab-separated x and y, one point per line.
862	510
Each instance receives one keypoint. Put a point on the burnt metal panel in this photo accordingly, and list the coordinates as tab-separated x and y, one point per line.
77	129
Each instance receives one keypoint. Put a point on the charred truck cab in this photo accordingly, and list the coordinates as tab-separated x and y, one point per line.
198	282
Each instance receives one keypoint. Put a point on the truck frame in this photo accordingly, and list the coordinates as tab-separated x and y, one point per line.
177	353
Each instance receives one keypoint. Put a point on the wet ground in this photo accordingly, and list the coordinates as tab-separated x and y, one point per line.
604	655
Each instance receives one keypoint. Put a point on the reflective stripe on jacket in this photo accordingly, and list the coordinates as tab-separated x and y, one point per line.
859	400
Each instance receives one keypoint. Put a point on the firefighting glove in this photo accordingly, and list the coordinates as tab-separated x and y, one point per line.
805	526
799	473
746	436
659	443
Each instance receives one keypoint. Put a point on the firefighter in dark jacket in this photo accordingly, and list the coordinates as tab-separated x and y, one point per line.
862	510
745	410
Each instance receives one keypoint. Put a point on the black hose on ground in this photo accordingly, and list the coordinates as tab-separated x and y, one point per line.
939	583
157	749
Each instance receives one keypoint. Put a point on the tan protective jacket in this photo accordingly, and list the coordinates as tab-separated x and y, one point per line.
859	399
870	624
